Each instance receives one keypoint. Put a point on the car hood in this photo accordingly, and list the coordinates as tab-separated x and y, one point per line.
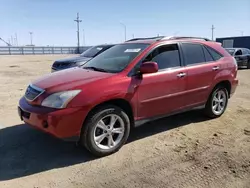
73	59
69	79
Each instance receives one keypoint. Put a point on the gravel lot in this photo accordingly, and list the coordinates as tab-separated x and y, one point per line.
185	150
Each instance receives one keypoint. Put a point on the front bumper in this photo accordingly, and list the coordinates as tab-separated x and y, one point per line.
61	123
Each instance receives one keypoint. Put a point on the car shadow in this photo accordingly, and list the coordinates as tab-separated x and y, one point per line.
165	124
25	151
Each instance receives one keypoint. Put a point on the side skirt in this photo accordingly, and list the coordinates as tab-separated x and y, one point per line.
143	121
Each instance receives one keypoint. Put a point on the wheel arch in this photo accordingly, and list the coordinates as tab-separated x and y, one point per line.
119	102
224	83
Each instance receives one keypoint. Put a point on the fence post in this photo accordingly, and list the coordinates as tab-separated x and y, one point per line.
33	50
43	49
53	50
9	51
22	50
61	50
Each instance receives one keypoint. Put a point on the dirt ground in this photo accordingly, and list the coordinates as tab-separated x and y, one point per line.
185	150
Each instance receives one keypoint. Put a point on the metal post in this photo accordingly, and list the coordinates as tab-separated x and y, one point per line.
125	30
213	32
83	39
31	33
78	33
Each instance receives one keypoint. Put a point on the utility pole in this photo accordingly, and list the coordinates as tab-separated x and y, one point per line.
31	33
133	36
213	32
125	30
11	40
83	37
78	34
16	39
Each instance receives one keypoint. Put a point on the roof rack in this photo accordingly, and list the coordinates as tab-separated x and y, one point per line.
169	38
186	37
147	38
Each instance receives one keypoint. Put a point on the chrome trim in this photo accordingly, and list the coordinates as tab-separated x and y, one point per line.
36	88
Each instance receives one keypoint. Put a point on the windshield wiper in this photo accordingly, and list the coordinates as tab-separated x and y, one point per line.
96	69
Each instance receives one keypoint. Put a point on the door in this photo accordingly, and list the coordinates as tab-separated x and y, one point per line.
240	58
202	64
162	92
244	57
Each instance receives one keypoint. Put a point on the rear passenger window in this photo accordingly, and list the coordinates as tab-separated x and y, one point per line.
207	55
193	53
214	54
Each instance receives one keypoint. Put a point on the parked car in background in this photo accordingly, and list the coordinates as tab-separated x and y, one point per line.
242	56
128	85
79	60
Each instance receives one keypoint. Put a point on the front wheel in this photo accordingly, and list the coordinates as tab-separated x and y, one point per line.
105	130
217	102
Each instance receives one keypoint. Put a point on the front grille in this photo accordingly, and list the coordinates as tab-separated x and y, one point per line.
33	92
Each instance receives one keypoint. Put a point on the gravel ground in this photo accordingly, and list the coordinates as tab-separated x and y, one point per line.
185	150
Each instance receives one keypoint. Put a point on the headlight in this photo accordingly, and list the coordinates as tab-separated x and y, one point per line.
60	100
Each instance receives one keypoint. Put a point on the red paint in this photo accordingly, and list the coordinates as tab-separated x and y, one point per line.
152	95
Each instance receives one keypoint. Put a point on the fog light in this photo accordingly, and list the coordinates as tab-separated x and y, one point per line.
45	124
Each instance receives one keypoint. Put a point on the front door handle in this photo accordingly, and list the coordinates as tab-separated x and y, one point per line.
181	74
216	68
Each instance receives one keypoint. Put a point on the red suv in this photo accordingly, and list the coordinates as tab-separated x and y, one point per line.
129	84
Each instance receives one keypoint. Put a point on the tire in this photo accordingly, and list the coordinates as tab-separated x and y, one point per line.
89	132
248	64
209	111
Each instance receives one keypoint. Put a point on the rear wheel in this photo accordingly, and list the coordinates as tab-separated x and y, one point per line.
105	131
217	102
248	64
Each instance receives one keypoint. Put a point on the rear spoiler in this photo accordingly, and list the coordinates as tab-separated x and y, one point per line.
219	43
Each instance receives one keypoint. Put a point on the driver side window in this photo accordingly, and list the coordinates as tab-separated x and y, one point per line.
239	52
166	56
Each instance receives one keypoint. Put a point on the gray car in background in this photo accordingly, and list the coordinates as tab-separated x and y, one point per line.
90	53
242	56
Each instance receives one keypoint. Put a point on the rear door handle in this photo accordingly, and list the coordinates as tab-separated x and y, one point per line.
181	74
216	68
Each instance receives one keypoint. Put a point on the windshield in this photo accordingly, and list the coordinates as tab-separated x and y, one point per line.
231	51
91	52
116	58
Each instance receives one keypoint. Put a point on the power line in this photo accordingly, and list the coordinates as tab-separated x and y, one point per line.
212	32
78	33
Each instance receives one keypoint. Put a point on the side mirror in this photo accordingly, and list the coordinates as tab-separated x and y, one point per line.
148	67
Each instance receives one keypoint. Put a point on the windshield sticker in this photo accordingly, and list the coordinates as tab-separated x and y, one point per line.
99	49
133	50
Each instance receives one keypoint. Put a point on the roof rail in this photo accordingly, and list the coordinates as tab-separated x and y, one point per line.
169	38
186	37
147	38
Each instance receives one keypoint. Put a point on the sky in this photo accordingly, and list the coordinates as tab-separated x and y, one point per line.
52	21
